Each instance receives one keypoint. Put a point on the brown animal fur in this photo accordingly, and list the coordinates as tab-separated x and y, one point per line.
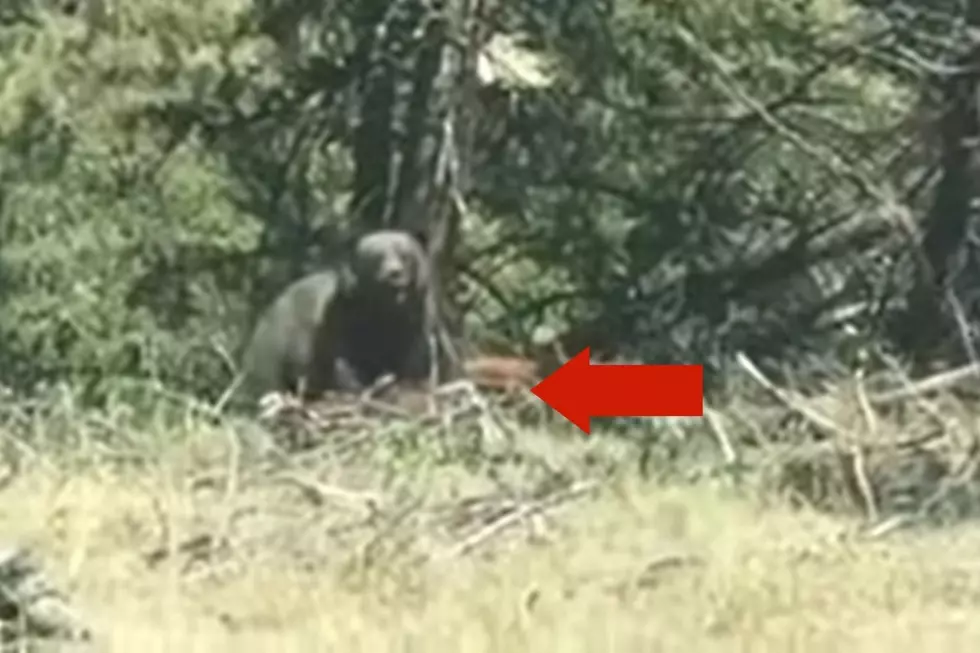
508	376
506	373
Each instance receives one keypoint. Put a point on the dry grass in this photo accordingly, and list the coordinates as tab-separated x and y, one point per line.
638	566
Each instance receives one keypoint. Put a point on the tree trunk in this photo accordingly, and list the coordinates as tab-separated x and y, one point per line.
414	142
927	324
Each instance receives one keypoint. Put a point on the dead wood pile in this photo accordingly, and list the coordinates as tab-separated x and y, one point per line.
363	480
908	453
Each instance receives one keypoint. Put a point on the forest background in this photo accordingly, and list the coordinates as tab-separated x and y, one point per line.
662	181
781	190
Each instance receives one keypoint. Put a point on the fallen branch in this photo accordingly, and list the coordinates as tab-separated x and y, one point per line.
518	514
784	397
941	381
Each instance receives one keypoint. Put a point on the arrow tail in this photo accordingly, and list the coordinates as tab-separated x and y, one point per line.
646	391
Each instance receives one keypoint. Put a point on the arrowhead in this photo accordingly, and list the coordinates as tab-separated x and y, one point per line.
566	390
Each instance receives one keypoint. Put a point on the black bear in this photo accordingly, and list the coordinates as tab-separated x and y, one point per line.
344	327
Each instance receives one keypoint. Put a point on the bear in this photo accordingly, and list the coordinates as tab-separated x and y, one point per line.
346	326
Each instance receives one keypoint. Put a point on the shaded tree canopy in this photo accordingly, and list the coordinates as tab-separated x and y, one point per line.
662	181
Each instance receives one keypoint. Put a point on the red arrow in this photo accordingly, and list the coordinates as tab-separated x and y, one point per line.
580	391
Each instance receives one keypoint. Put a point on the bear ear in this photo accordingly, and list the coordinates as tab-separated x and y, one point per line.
349	241
422	236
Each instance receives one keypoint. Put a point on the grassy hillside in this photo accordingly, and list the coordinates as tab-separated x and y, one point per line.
417	539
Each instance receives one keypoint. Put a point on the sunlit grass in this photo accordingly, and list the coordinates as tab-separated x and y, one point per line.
638	567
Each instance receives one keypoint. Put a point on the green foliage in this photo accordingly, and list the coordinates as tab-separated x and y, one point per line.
122	253
702	147
699	178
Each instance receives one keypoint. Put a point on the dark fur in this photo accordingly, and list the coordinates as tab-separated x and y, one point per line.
343	328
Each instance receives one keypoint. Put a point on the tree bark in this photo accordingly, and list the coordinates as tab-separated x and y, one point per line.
946	224
414	141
